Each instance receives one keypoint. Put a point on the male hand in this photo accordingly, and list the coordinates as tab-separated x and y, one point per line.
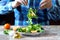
19	2
45	4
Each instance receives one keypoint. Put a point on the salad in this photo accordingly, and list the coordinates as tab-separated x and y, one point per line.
31	28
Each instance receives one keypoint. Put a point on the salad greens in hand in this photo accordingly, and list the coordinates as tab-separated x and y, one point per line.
31	27
31	14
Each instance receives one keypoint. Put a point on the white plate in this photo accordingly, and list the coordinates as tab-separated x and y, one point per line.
32	34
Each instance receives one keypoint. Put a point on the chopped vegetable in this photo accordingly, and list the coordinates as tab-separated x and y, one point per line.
34	31
15	28
17	35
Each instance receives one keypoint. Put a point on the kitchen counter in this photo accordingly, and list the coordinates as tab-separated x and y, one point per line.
51	33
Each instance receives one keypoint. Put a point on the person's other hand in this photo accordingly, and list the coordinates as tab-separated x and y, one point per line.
45	4
19	2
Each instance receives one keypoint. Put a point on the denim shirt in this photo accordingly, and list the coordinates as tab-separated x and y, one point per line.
21	16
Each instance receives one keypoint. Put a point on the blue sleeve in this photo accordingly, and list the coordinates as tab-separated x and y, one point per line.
54	12
5	7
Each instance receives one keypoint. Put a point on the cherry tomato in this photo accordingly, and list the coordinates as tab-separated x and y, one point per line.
7	26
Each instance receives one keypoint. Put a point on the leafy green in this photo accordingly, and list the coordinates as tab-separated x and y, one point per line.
23	29
32	13
19	29
6	32
31	27
28	30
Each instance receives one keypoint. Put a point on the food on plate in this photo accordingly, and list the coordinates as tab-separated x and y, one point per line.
17	35
34	31
31	28
7	26
23	29
19	29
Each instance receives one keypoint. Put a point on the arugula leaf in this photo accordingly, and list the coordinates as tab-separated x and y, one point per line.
6	32
32	13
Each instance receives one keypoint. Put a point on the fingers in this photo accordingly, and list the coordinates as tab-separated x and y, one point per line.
42	2
19	1
45	4
25	2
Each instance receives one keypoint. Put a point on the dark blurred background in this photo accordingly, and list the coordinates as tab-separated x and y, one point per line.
7	18
52	22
